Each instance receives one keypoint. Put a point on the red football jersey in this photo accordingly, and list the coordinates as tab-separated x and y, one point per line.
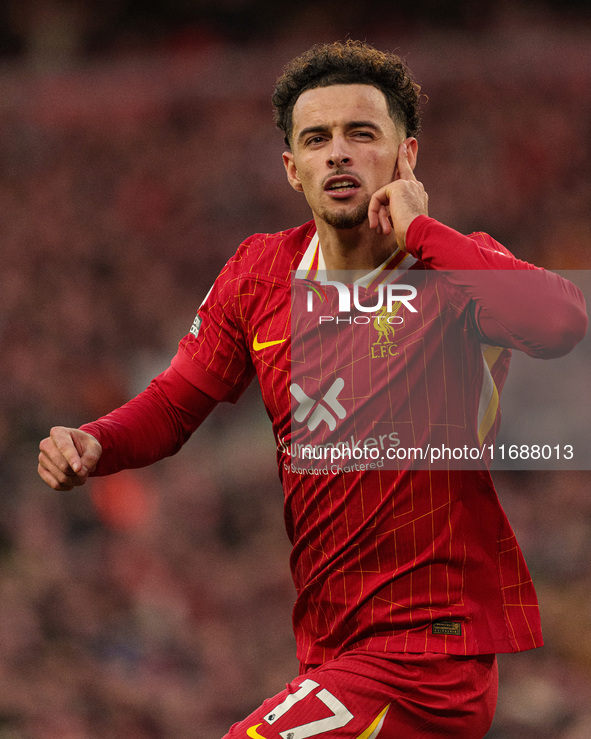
395	560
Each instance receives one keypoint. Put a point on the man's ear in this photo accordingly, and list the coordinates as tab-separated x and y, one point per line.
412	146
291	171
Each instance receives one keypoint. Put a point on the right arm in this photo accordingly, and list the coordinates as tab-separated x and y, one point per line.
212	364
150	427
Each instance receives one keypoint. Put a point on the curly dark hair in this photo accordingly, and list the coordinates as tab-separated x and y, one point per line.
351	62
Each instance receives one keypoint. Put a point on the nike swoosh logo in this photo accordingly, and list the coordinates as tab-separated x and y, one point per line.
258	345
253	733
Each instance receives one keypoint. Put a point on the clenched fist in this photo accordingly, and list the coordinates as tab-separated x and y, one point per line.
67	457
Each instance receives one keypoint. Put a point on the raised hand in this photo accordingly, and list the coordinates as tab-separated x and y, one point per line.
397	204
67	457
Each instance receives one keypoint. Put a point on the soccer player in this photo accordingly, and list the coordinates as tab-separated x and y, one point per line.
409	581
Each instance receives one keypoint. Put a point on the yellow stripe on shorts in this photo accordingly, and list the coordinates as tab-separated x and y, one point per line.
375	727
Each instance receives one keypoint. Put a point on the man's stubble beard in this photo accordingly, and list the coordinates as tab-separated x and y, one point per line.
352	219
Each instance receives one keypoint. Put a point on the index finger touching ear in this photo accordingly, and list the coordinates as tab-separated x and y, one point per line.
404	167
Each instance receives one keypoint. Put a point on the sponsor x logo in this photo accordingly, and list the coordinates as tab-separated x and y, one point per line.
322	411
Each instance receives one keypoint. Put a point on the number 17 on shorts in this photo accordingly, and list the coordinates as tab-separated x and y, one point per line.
309	701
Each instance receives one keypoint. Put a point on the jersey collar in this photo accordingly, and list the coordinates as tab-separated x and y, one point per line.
312	263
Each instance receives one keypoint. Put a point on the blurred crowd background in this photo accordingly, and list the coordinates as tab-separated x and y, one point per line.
137	150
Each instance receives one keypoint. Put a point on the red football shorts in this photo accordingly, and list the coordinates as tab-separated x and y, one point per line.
365	695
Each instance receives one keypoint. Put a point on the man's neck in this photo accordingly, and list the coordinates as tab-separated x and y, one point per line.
358	249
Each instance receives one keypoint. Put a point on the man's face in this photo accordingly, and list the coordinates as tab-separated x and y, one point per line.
344	148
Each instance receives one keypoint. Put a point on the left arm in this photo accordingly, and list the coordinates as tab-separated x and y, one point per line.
539	313
515	303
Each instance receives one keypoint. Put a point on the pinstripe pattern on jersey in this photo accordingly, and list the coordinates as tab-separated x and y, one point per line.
377	555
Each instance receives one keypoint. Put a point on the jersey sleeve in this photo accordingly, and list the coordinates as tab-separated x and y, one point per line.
514	303
151	426
214	355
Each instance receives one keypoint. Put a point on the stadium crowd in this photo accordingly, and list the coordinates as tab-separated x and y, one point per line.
156	603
